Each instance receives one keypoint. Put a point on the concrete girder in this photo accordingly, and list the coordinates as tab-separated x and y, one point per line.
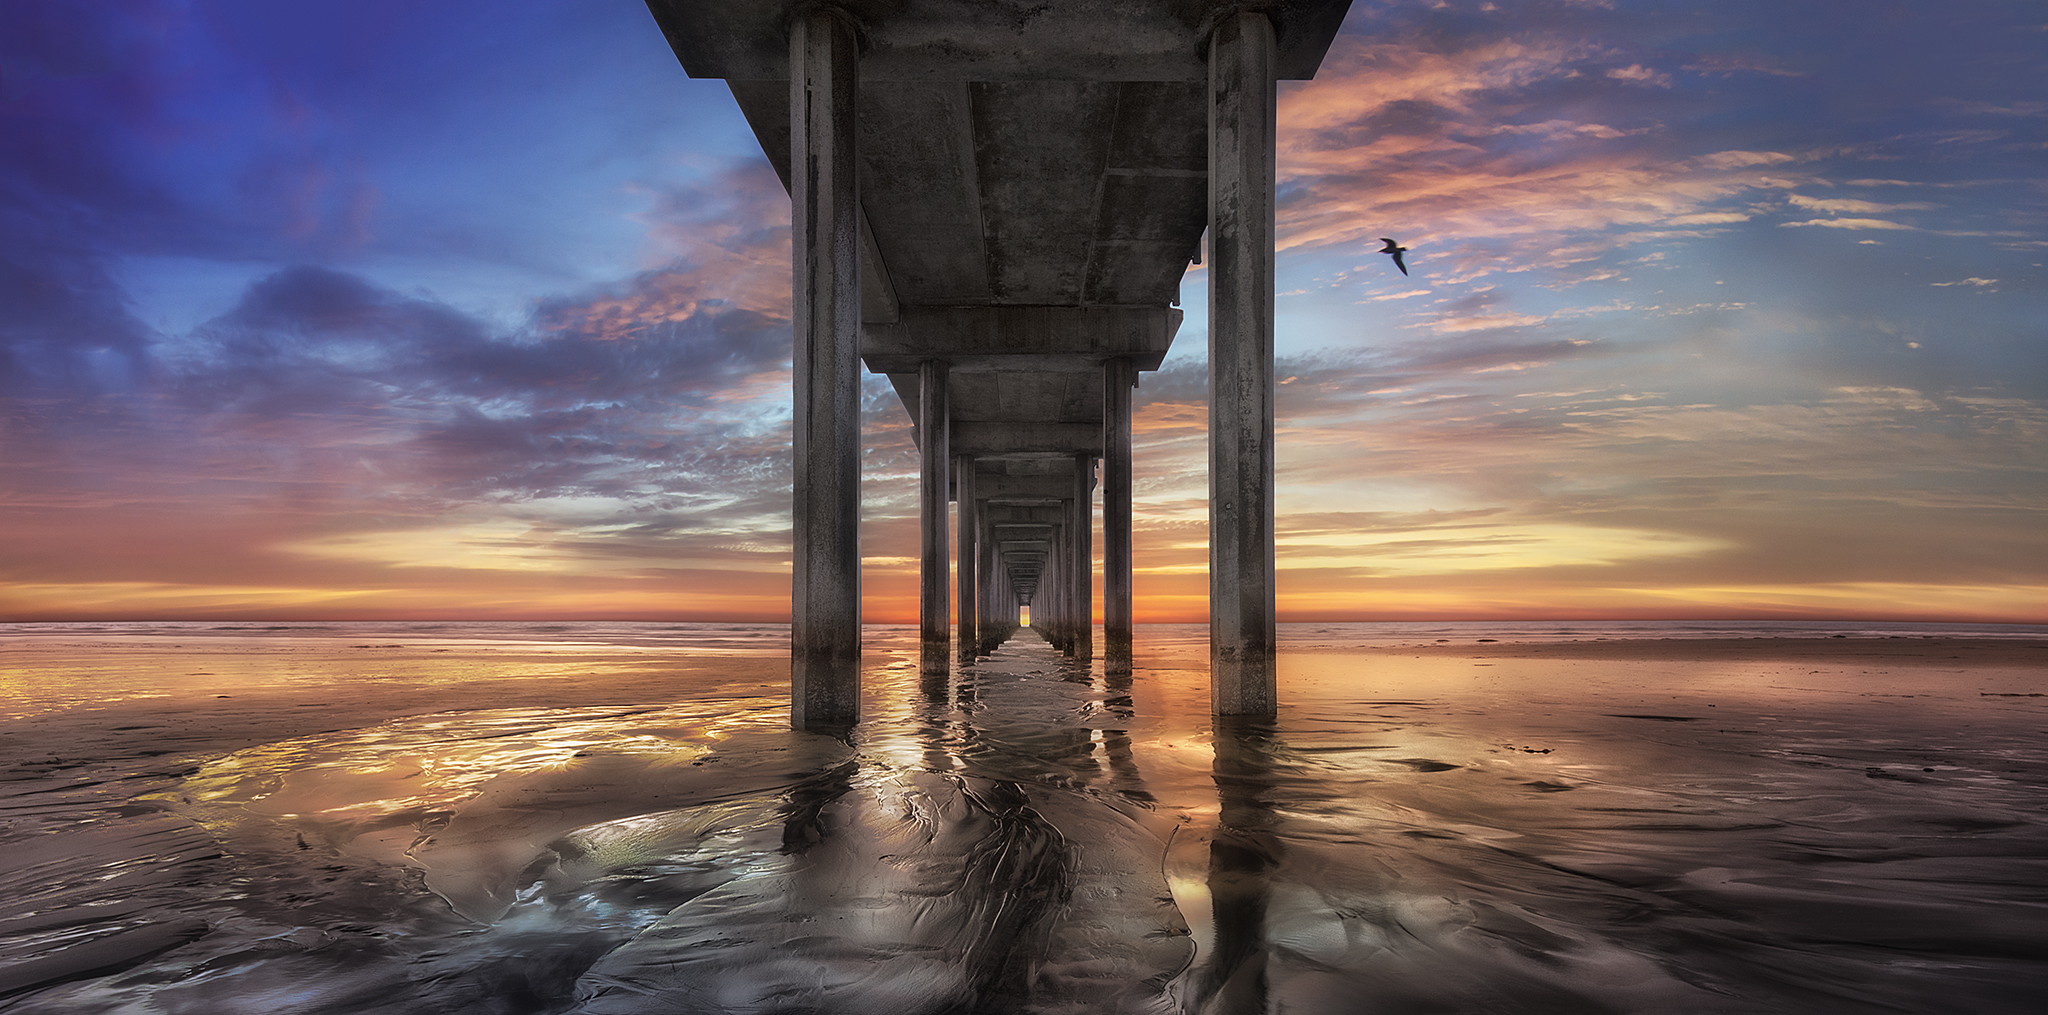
1004	338
929	41
992	439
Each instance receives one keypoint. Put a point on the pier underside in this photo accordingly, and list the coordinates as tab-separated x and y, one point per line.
993	204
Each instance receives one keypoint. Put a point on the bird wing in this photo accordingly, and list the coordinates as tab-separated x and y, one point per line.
1399	264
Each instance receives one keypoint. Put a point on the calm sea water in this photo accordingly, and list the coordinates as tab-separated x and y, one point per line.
629	826
775	637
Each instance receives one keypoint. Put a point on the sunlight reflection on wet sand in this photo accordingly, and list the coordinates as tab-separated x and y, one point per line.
1439	832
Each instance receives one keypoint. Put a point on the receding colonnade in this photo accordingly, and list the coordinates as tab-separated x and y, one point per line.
999	225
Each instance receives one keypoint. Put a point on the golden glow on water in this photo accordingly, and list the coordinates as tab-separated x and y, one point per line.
51	674
1447	826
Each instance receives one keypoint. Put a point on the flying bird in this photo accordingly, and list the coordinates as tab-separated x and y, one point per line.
1395	249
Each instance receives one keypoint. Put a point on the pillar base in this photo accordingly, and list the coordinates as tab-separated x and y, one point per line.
1116	652
825	692
1242	682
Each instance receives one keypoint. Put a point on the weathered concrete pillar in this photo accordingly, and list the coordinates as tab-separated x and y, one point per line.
966	587
1241	194
1009	612
825	291
995	584
1054	586
1083	574
1059	570
934	460
1118	377
1048	601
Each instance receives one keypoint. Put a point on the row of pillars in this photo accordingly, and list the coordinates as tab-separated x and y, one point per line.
1049	565
825	638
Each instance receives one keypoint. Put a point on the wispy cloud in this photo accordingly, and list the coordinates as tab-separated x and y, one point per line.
636	433
1399	138
1838	206
1849	223
1636	73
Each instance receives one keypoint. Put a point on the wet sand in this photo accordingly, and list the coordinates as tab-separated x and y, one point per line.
1889	651
1738	825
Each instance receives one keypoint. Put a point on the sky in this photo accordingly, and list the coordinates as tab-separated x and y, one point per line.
392	310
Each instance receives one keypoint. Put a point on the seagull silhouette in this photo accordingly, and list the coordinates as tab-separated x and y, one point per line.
1394	249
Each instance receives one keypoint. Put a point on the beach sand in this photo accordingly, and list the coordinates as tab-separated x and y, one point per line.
427	825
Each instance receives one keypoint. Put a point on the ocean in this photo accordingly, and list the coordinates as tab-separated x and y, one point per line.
611	817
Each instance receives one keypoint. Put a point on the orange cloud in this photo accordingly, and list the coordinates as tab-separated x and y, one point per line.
1395	139
719	244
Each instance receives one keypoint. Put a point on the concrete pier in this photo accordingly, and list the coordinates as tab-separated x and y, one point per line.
1241	188
1118	377
1054	587
1029	196
1081	551
934	608
826	283
993	586
966	598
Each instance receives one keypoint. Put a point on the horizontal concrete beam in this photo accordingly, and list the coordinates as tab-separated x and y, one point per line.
995	40
1023	487
1007	514
1062	468
973	438
1019	338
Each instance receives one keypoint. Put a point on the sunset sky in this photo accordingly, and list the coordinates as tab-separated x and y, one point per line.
426	308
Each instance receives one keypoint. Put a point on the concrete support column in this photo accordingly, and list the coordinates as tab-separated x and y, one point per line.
1241	205
1009	610
1118	377
995	584
1049	596
965	588
825	289
1059	567
934	607
1000	592
1083	574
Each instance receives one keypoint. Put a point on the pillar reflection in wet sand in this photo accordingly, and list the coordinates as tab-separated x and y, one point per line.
1242	858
